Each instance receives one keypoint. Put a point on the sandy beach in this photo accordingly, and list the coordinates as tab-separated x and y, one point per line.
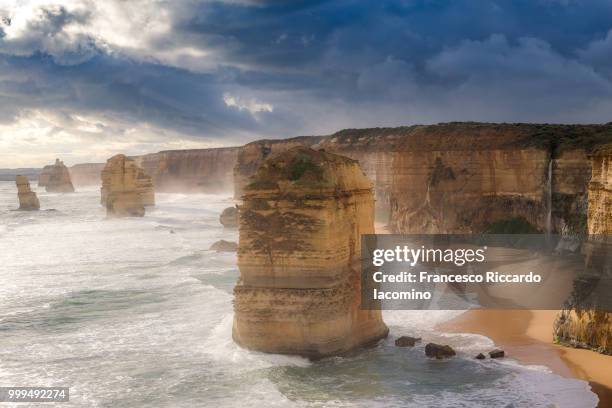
526	335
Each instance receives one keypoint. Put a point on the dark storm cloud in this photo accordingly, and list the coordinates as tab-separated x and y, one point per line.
314	66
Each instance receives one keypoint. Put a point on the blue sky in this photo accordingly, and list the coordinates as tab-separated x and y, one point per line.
84	79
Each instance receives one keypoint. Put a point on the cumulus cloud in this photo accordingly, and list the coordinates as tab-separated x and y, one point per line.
227	72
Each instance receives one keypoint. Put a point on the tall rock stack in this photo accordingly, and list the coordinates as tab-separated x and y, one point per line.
587	325
56	178
27	198
126	190
299	290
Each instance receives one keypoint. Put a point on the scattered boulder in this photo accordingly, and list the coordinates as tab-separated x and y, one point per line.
497	353
229	217
56	178
480	356
439	351
224	246
120	193
27	198
407	341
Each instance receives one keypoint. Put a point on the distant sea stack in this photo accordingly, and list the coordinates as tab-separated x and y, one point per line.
302	216
581	324
126	189
56	178
27	198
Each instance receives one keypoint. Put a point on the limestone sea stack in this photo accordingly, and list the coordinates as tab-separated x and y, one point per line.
126	189
299	254
581	325
56	178
27	198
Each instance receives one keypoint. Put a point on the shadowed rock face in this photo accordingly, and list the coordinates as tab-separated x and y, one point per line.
126	189
27	198
56	178
581	325
299	257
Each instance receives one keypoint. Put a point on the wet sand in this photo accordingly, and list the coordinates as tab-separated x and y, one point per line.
527	336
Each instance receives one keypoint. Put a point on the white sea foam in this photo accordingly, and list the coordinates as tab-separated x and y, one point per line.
138	313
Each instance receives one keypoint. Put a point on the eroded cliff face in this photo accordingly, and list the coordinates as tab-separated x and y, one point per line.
299	256
463	177
27	198
581	324
600	192
56	178
86	174
126	189
197	170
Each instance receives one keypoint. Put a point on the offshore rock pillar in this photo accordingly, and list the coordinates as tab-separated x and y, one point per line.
56	178
299	253
27	198
126	189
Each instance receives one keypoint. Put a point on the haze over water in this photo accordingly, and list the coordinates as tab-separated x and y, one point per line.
138	313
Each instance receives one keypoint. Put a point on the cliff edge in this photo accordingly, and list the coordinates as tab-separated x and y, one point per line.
583	324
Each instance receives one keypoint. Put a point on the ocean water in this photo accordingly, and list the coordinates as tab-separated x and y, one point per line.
138	313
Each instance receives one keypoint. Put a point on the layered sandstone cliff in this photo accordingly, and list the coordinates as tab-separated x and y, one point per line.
56	178
587	320
197	170
299	257
463	177
27	198
600	192
126	189
86	174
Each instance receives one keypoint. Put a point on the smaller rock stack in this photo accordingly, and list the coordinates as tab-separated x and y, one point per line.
126	189
27	198
56	178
